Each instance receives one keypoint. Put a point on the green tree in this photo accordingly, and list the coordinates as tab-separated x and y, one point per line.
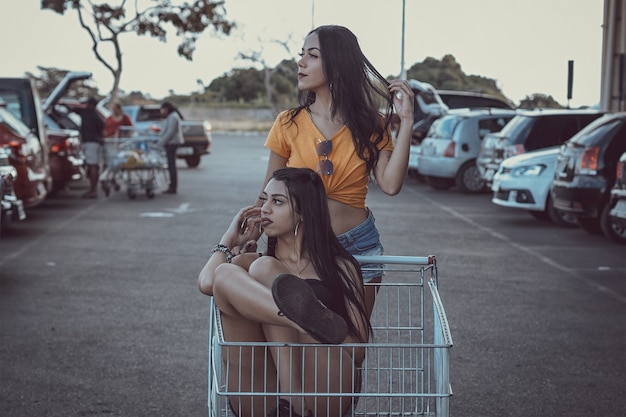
105	23
536	101
447	74
240	84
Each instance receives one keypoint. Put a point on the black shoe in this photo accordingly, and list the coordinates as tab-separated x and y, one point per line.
297	301
283	409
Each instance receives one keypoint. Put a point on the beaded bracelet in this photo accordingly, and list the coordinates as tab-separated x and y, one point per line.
224	249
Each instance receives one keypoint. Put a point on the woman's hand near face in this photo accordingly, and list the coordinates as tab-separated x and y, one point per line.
238	233
243	227
403	99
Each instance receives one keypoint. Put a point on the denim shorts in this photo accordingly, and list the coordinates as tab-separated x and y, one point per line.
364	240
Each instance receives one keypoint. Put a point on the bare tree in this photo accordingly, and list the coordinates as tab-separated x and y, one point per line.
268	71
105	23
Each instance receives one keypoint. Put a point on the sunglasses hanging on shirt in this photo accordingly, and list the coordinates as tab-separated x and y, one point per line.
325	166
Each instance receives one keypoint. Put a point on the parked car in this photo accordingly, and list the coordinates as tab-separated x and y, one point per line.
49	122
27	155
430	104
66	157
523	182
427	107
618	194
147	119
585	173
11	208
528	131
448	153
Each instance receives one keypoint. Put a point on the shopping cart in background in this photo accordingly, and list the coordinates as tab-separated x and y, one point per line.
406	367
134	164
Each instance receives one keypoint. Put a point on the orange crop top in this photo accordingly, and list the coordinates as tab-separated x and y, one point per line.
297	141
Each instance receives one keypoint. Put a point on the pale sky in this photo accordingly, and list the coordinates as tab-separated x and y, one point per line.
525	45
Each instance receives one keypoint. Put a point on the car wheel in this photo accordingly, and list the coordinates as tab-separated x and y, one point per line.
438	183
590	225
612	230
192	161
468	179
558	217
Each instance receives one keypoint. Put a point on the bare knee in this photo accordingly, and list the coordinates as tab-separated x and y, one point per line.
265	269
225	275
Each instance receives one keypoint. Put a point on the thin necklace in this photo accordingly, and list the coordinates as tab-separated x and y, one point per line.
299	274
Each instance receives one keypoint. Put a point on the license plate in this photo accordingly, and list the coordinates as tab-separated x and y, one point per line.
428	150
620	209
184	151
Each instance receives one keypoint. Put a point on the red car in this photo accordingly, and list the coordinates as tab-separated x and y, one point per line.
61	141
65	153
11	208
28	157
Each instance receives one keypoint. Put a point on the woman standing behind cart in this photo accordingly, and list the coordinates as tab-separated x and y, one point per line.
308	290
170	138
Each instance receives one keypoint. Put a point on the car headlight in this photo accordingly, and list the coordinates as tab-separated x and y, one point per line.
528	170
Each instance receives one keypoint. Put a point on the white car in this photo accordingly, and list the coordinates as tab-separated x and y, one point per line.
523	182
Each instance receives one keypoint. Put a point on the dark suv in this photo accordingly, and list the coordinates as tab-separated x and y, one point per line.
528	131
585	173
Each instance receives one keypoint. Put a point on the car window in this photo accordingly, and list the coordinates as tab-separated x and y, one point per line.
518	127
598	131
458	102
12	101
146	114
550	131
491	125
444	127
13	123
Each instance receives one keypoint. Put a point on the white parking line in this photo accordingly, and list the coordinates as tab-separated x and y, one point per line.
571	272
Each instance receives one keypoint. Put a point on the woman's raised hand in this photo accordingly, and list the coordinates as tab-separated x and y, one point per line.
403	98
243	228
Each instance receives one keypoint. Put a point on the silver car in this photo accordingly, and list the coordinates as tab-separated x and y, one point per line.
448	153
523	182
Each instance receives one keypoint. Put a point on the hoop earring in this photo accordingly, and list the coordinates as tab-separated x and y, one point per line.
295	232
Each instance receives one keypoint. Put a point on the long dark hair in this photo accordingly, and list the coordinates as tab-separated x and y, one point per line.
331	260
357	90
170	107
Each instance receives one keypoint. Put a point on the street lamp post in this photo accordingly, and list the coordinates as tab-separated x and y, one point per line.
402	69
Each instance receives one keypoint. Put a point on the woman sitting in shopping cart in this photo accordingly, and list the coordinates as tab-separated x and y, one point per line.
306	289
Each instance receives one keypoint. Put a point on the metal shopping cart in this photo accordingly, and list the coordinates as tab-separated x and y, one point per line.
406	367
136	164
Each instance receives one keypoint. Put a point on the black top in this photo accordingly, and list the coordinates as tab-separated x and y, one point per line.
92	126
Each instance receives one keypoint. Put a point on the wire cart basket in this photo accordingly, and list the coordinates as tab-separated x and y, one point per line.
136	163
406	367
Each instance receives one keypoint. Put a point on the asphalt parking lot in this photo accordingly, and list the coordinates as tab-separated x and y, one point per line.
100	313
